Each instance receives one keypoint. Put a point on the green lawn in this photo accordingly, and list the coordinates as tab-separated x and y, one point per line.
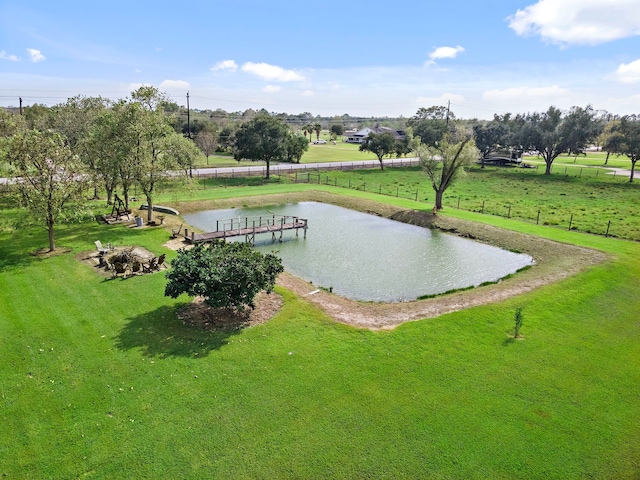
100	380
341	152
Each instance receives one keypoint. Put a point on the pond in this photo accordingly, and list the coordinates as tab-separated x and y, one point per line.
366	257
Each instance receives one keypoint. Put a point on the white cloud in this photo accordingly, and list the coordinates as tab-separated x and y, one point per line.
174	84
442	100
36	55
515	93
627	72
585	22
6	56
272	72
225	65
308	93
271	89
444	52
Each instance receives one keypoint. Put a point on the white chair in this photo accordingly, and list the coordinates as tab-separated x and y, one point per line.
101	249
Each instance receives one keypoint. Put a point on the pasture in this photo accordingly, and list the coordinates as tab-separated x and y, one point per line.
101	379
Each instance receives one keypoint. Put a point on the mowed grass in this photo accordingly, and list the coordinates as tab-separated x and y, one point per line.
340	152
100	380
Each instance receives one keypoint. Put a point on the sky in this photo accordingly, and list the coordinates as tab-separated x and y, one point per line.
372	59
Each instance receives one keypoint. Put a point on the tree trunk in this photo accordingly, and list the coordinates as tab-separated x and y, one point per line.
633	167
267	176
52	242
547	170
149	209
439	199
381	164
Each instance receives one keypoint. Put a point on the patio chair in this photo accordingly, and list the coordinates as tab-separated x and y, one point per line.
101	250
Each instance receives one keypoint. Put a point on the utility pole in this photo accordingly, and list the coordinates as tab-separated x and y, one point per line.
188	118
20	105
447	119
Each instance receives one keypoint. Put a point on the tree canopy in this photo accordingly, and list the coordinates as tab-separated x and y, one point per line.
554	132
263	138
227	275
380	144
625	140
431	124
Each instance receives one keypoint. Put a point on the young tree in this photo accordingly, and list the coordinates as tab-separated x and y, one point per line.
446	160
296	146
227	275
337	130
380	144
51	177
553	132
263	139
625	140
206	141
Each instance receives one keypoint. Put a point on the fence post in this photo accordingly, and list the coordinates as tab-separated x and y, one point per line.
458	202
509	212
570	221
380	189
482	211
416	195
397	190
608	226
538	217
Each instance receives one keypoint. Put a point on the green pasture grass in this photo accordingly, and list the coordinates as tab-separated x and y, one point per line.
101	380
340	152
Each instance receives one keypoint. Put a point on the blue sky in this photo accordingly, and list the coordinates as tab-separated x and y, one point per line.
329	58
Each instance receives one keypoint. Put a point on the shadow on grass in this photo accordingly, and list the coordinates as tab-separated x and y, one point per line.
160	333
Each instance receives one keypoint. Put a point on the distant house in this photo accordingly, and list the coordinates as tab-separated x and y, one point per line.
360	135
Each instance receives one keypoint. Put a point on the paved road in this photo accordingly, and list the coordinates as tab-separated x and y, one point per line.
284	168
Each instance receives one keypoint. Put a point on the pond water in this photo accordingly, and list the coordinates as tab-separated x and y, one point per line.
366	257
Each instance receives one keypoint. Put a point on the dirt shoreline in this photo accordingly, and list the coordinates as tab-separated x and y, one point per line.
554	261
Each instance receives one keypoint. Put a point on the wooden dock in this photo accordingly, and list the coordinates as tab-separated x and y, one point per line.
249	227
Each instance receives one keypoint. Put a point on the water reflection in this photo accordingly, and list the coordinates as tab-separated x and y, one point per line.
365	257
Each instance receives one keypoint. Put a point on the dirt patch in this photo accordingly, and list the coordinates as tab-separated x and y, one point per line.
201	315
92	259
554	261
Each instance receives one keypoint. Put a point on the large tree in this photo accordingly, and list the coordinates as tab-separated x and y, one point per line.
74	120
625	140
431	124
262	139
227	275
555	132
445	161
380	144
492	136
52	178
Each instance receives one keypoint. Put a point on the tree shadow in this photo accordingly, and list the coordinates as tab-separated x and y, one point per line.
160	333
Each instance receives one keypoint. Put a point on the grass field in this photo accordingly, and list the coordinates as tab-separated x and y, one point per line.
100	380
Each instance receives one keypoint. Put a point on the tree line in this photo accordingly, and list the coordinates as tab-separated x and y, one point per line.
90	142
